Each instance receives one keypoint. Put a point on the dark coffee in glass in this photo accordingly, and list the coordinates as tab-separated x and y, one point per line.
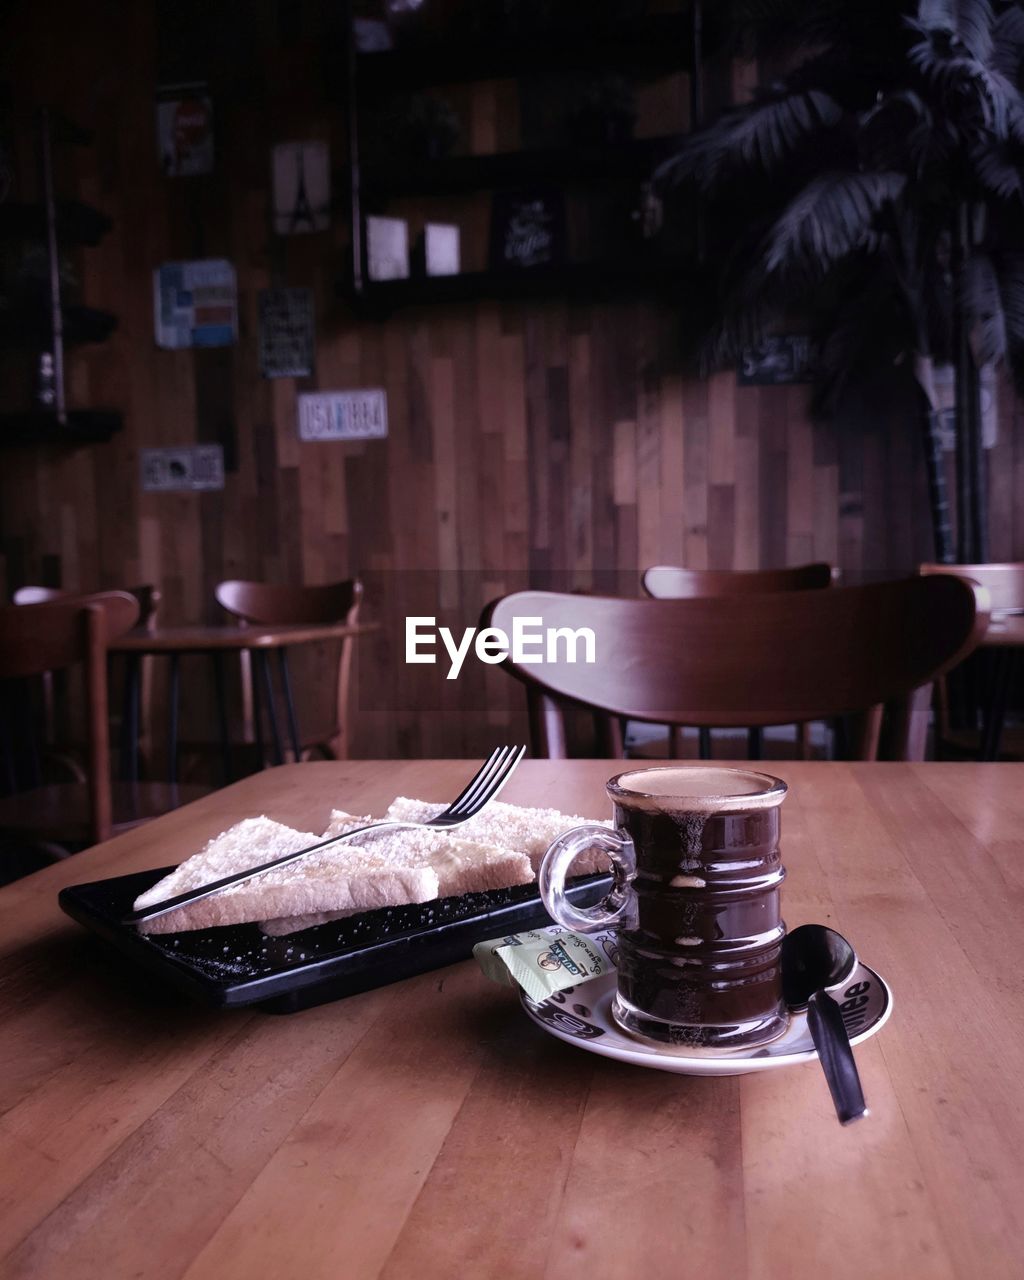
696	902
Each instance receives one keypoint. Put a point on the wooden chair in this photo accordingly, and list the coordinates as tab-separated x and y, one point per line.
148	598
1004	583
779	658
50	637
267	604
671	582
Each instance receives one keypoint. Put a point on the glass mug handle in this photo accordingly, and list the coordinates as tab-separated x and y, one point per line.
618	908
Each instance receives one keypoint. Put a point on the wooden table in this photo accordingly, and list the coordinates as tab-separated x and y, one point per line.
1006	636
215	641
429	1130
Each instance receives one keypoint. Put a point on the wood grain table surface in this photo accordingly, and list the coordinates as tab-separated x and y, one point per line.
428	1129
1006	632
206	639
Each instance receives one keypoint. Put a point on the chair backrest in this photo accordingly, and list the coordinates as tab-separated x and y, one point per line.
766	659
271	604
284	605
671	582
36	638
39	595
147	596
1003	582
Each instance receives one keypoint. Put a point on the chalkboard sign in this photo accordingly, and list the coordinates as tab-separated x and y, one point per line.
527	229
781	359
286	333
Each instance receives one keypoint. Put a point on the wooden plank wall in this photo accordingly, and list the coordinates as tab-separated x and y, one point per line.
541	443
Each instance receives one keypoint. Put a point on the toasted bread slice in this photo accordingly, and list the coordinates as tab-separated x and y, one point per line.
345	877
509	826
461	866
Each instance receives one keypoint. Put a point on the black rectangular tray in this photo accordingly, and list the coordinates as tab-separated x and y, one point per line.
236	965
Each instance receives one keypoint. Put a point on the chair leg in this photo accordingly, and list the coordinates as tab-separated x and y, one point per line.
222	714
547	726
263	663
130	719
173	689
803	738
907	736
995	711
866	730
289	703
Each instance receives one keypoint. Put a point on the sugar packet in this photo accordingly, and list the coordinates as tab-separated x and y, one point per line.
542	961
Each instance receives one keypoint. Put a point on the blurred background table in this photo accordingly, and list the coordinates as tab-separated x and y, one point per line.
429	1129
216	641
1005	636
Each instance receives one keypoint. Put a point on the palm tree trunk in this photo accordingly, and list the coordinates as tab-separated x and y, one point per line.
976	465
962	370
938	489
972	504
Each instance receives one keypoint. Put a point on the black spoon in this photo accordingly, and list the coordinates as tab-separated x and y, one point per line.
814	960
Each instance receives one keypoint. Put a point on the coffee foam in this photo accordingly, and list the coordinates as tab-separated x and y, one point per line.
696	789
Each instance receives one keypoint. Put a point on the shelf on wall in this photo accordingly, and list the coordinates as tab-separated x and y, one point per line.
620	278
77	223
37	427
657	43
634	159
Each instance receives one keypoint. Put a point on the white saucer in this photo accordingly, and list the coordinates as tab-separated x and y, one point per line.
582	1016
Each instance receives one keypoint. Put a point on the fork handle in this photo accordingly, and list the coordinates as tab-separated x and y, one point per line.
239	877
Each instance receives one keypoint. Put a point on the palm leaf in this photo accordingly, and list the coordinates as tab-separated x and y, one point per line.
968	81
832	217
967	23
1008	42
998	170
759	136
895	131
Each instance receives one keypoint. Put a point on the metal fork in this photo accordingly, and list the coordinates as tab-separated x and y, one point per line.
480	791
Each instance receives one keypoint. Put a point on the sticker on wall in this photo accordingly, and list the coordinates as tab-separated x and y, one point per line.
302	187
387	248
286	333
190	468
437	250
343	415
195	304
780	359
184	129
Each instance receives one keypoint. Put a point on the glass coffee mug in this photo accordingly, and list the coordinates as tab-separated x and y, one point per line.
695	902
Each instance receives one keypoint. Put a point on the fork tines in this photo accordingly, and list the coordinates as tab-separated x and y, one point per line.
486	784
